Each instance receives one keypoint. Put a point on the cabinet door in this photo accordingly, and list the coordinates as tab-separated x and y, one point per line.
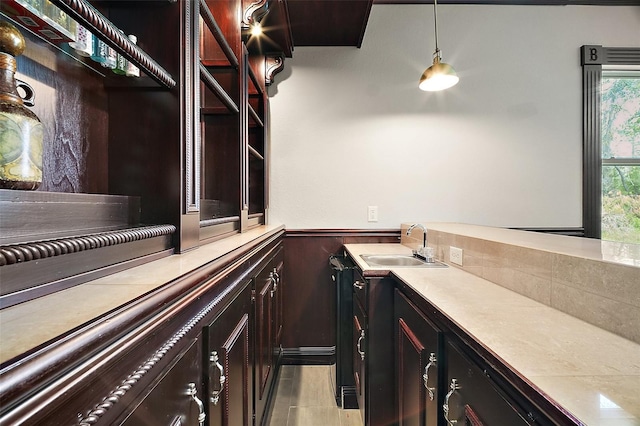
417	352
359	354
263	338
228	376
176	399
279	300
472	397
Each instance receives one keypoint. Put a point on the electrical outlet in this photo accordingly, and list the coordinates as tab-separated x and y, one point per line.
372	213
455	255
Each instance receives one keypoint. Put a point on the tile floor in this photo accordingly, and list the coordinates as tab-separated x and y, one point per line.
304	398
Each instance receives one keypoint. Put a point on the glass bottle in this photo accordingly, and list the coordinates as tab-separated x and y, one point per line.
21	132
121	64
132	70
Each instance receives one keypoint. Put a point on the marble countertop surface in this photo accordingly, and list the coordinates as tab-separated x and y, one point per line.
592	373
587	248
30	324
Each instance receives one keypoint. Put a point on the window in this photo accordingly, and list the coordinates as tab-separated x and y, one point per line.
611	143
620	141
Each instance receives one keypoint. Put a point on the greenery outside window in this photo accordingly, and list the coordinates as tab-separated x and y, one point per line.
620	137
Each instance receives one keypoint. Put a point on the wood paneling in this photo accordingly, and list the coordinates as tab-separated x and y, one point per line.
310	294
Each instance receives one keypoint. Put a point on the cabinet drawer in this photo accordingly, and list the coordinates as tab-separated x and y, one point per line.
470	390
176	399
418	384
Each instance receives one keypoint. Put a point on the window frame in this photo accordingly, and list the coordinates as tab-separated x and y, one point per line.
594	59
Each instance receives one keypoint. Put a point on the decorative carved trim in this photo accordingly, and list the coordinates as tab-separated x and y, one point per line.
93	416
273	65
95	22
191	94
18	253
218	221
253	12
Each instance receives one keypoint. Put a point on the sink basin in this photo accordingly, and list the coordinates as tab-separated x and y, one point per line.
399	260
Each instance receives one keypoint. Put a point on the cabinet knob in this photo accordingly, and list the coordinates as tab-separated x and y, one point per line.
358	285
215	395
432	363
193	392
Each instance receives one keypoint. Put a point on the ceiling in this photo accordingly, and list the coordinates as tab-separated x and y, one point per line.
343	22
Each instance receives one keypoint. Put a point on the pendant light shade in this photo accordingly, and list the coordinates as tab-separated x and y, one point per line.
440	75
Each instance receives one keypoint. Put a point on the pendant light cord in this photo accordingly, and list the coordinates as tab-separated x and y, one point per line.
435	21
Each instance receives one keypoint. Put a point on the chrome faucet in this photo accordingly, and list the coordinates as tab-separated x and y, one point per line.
421	250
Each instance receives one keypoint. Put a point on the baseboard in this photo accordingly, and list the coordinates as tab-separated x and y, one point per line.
349	397
310	355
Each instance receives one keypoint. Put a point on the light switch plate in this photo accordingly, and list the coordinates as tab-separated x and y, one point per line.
372	213
455	255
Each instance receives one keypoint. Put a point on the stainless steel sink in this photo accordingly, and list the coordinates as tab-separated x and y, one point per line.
399	260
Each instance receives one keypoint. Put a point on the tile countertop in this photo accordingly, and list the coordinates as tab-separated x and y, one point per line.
587	248
592	373
30	324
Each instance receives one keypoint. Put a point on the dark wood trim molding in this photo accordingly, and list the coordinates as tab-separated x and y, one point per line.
591	151
343	232
592	59
20	253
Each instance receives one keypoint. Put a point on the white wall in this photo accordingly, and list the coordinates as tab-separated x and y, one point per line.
350	129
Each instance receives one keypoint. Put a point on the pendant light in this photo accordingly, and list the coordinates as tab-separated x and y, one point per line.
440	75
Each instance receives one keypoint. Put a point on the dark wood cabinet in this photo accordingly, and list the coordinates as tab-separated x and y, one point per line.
373	351
413	366
359	344
418	372
156	359
264	341
268	317
136	168
279	283
176	397
435	358
227	363
472	397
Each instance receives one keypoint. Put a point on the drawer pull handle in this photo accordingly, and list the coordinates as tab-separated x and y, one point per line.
360	351
454	387
215	395
193	392
275	283
432	363
358	285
